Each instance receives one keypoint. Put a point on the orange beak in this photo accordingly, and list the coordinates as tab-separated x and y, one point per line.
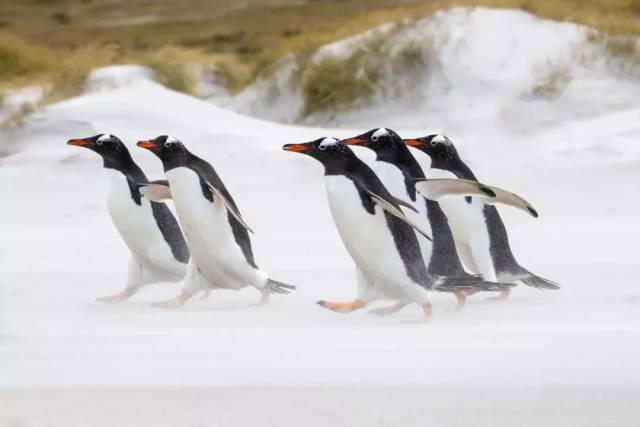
299	148
353	141
146	144
79	142
412	142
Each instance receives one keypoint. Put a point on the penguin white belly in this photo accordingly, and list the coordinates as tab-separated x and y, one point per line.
469	228
209	235
138	228
465	219
393	179
367	238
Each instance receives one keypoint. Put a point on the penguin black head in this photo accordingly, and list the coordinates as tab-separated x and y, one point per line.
325	150
105	144
167	148
112	150
378	140
438	147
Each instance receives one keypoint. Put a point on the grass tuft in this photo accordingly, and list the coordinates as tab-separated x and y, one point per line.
553	83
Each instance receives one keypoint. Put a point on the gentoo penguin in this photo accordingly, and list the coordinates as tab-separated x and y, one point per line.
375	231
158	249
221	254
399	170
480	235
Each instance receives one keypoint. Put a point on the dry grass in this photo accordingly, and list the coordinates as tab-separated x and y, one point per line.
553	82
57	42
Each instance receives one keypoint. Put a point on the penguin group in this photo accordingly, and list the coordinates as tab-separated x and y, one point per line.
408	232
215	250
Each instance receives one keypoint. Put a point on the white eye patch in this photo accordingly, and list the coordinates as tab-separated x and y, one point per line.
327	142
439	139
104	138
379	133
171	139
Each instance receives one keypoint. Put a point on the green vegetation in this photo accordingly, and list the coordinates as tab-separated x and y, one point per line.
55	43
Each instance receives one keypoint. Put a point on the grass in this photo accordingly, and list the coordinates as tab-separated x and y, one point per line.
57	42
553	83
338	83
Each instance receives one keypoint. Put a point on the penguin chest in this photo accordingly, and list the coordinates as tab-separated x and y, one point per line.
465	219
135	223
393	178
206	227
366	236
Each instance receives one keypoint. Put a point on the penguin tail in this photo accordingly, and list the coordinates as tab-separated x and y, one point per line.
276	287
530	279
470	283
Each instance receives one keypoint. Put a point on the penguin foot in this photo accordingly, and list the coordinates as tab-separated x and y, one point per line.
118	298
385	311
264	300
175	302
461	296
205	295
504	295
342	307
428	314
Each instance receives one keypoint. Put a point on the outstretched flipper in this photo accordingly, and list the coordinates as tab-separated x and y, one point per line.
443	188
229	207
505	197
395	211
156	191
438	189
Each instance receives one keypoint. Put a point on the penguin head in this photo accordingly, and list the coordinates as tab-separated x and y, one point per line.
110	147
325	150
379	140
435	146
165	147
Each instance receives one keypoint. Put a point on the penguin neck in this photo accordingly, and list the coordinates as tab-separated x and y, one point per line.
343	166
182	160
401	158
124	164
454	165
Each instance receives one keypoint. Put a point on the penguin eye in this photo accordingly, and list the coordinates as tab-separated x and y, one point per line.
99	142
374	138
168	144
322	147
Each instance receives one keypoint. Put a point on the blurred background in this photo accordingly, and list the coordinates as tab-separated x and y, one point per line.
251	54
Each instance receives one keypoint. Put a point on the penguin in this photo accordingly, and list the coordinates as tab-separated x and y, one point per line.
399	171
480	235
159	251
218	236
379	237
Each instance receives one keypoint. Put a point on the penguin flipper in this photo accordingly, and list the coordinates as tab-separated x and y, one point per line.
395	211
443	188
156	191
232	210
505	197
